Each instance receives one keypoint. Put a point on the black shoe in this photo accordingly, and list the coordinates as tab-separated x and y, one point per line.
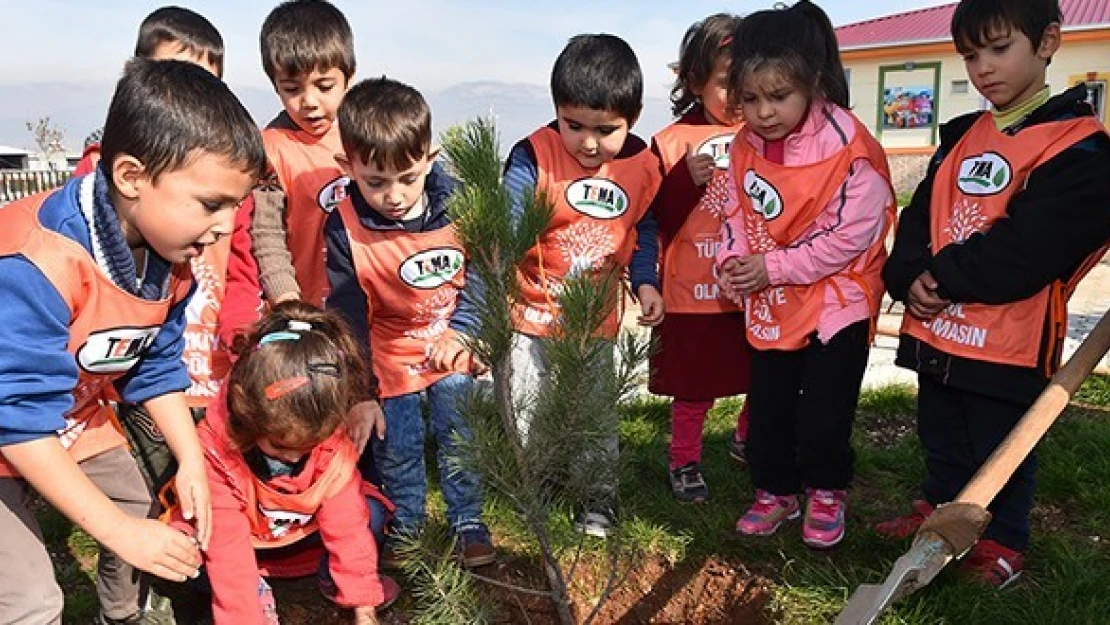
688	484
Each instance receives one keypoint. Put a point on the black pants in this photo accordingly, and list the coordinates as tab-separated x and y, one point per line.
803	404
959	430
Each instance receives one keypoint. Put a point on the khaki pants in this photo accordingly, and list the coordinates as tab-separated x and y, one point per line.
29	594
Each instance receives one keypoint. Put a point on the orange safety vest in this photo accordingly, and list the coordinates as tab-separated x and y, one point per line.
973	188
688	264
207	360
109	330
314	185
783	203
593	227
412	282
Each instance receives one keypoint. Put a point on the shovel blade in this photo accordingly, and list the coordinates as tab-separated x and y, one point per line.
861	607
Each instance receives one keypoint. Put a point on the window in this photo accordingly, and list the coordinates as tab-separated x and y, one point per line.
959	87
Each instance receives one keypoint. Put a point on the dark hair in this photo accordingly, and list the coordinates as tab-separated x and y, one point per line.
704	43
299	36
187	28
599	72
164	112
799	41
975	20
324	353
387	121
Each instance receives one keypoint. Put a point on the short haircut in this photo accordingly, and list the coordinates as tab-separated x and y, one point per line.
704	43
387	121
300	36
975	20
599	72
187	28
164	112
324	357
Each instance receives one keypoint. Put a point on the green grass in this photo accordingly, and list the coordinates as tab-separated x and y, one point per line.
1068	562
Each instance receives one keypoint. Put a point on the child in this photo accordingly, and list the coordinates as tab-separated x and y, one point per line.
584	156
168	33
701	354
282	468
1011	214
810	201
308	54
82	324
384	246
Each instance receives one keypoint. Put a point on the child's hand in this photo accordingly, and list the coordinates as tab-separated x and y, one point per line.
450	353
752	274
363	419
365	615
651	306
701	166
727	274
158	549
922	301
191	483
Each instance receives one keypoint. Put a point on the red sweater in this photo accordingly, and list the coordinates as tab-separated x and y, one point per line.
242	303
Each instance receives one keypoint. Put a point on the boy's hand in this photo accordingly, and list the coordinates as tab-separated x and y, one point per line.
922	301
365	615
158	549
701	166
651	306
191	483
363	419
446	352
741	276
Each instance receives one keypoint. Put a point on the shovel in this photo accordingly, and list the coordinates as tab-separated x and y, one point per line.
955	527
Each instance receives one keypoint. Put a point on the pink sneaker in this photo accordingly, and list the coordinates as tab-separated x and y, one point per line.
767	514
823	526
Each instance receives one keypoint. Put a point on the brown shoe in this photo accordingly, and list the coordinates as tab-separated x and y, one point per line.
474	547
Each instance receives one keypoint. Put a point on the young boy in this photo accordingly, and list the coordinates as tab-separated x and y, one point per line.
397	274
1009	217
584	156
308	54
168	33
83	324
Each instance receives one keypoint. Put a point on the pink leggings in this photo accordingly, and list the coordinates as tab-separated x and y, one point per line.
687	423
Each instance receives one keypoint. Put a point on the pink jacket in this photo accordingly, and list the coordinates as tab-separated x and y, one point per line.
850	224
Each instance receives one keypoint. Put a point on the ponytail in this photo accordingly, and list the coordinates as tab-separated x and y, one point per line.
822	38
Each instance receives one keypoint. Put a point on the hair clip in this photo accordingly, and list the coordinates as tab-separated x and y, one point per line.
724	42
280	335
282	388
325	368
299	326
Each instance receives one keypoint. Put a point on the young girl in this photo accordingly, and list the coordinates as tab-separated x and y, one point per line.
803	248
702	352
281	468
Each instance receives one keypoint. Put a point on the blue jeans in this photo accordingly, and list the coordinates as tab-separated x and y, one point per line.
400	457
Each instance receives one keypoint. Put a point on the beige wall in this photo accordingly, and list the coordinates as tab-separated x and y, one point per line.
1072	60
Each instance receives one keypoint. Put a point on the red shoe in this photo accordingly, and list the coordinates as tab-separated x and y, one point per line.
907	525
391	590
993	564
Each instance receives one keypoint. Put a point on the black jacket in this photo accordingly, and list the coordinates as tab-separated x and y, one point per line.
1054	223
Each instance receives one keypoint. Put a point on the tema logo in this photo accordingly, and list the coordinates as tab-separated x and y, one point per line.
431	268
984	174
115	350
717	147
598	198
765	198
333	193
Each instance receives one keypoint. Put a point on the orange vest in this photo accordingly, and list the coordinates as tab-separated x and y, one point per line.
593	227
109	329
412	283
974	186
314	185
782	204
206	359
688	265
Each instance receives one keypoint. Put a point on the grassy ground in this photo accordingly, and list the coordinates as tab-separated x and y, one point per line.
1069	559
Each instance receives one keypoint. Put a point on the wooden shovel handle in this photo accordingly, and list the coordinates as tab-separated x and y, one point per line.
994	474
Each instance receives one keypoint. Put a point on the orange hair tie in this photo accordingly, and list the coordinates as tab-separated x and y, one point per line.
282	388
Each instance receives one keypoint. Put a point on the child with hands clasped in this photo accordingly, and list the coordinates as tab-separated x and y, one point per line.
84	327
810	202
701	353
282	468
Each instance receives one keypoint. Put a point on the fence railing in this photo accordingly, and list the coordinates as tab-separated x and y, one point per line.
16	184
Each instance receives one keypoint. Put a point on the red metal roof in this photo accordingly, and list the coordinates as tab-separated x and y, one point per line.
931	24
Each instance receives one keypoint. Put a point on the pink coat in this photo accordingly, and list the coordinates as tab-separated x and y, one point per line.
849	225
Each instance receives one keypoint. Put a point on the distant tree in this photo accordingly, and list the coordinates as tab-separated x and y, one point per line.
48	137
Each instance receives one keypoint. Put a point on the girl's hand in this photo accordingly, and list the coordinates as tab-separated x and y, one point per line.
158	549
752	274
363	419
365	615
728	275
701	166
191	483
651	306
